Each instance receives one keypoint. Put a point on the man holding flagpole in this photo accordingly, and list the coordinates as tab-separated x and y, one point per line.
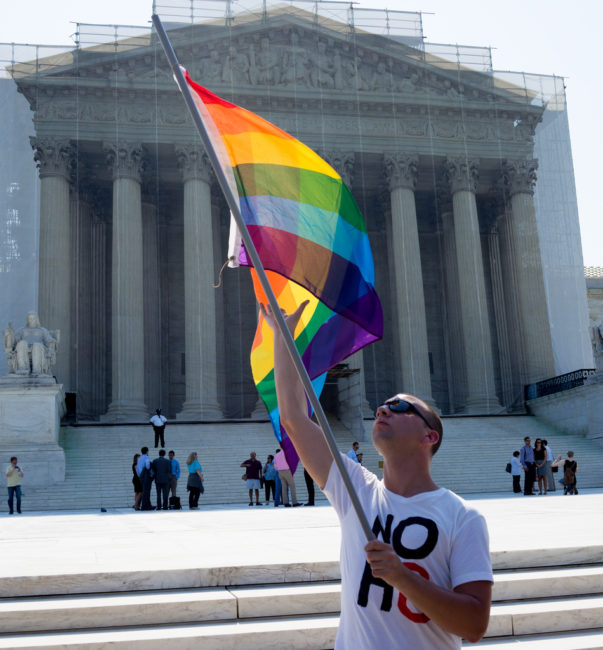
431	549
307	242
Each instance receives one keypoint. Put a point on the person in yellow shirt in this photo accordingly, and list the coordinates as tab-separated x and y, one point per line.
14	474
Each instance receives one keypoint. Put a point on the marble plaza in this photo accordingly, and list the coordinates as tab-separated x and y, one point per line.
231	540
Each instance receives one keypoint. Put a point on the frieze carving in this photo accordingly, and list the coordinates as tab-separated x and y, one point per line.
135	114
53	156
193	163
343	163
266	64
417	127
125	159
448	129
409	124
519	176
401	170
382	79
173	115
235	69
322	71
284	59
475	130
51	109
132	113
294	59
97	112
461	173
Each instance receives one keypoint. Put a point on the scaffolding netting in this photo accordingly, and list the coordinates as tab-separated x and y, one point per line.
409	125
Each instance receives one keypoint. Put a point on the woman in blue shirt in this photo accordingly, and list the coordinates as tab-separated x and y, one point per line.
194	484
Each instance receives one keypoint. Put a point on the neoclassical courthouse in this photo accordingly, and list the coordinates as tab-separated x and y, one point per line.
463	174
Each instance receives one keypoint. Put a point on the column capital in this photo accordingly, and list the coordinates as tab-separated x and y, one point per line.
519	176
401	170
193	162
343	163
53	156
125	159
461	173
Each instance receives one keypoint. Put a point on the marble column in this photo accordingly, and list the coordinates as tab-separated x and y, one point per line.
453	323
100	305
201	401
409	300
343	163
500	317
54	158
83	316
153	312
481	391
127	297
509	279
519	177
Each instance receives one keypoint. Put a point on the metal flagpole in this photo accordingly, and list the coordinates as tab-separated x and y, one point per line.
233	204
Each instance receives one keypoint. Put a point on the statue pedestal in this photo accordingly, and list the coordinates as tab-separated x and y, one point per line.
30	416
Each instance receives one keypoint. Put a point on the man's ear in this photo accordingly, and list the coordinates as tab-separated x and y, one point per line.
431	436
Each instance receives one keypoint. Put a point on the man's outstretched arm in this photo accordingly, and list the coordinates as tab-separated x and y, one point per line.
304	433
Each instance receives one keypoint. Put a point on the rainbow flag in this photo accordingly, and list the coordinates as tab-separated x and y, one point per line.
310	236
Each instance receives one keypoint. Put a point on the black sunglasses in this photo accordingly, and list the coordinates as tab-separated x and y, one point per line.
402	406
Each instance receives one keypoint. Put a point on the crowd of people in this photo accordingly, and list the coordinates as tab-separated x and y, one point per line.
276	478
539	466
165	473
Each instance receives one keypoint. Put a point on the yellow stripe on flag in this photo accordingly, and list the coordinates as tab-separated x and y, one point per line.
264	148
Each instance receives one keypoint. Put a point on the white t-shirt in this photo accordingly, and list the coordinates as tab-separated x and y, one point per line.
515	466
158	420
436	533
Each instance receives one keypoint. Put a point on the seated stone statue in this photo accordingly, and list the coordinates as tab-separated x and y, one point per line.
596	337
32	350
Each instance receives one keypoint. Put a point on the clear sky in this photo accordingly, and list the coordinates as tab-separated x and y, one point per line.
542	36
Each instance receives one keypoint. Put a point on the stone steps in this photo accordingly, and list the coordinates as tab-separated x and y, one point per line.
299	632
541	582
584	640
177	606
306	632
98	459
526	602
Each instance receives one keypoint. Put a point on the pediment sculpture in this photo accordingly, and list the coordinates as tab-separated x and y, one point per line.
32	349
326	64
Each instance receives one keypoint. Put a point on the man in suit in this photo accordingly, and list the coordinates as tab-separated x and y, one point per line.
162	468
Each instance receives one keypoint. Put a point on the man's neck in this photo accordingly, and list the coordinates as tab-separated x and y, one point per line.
408	477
